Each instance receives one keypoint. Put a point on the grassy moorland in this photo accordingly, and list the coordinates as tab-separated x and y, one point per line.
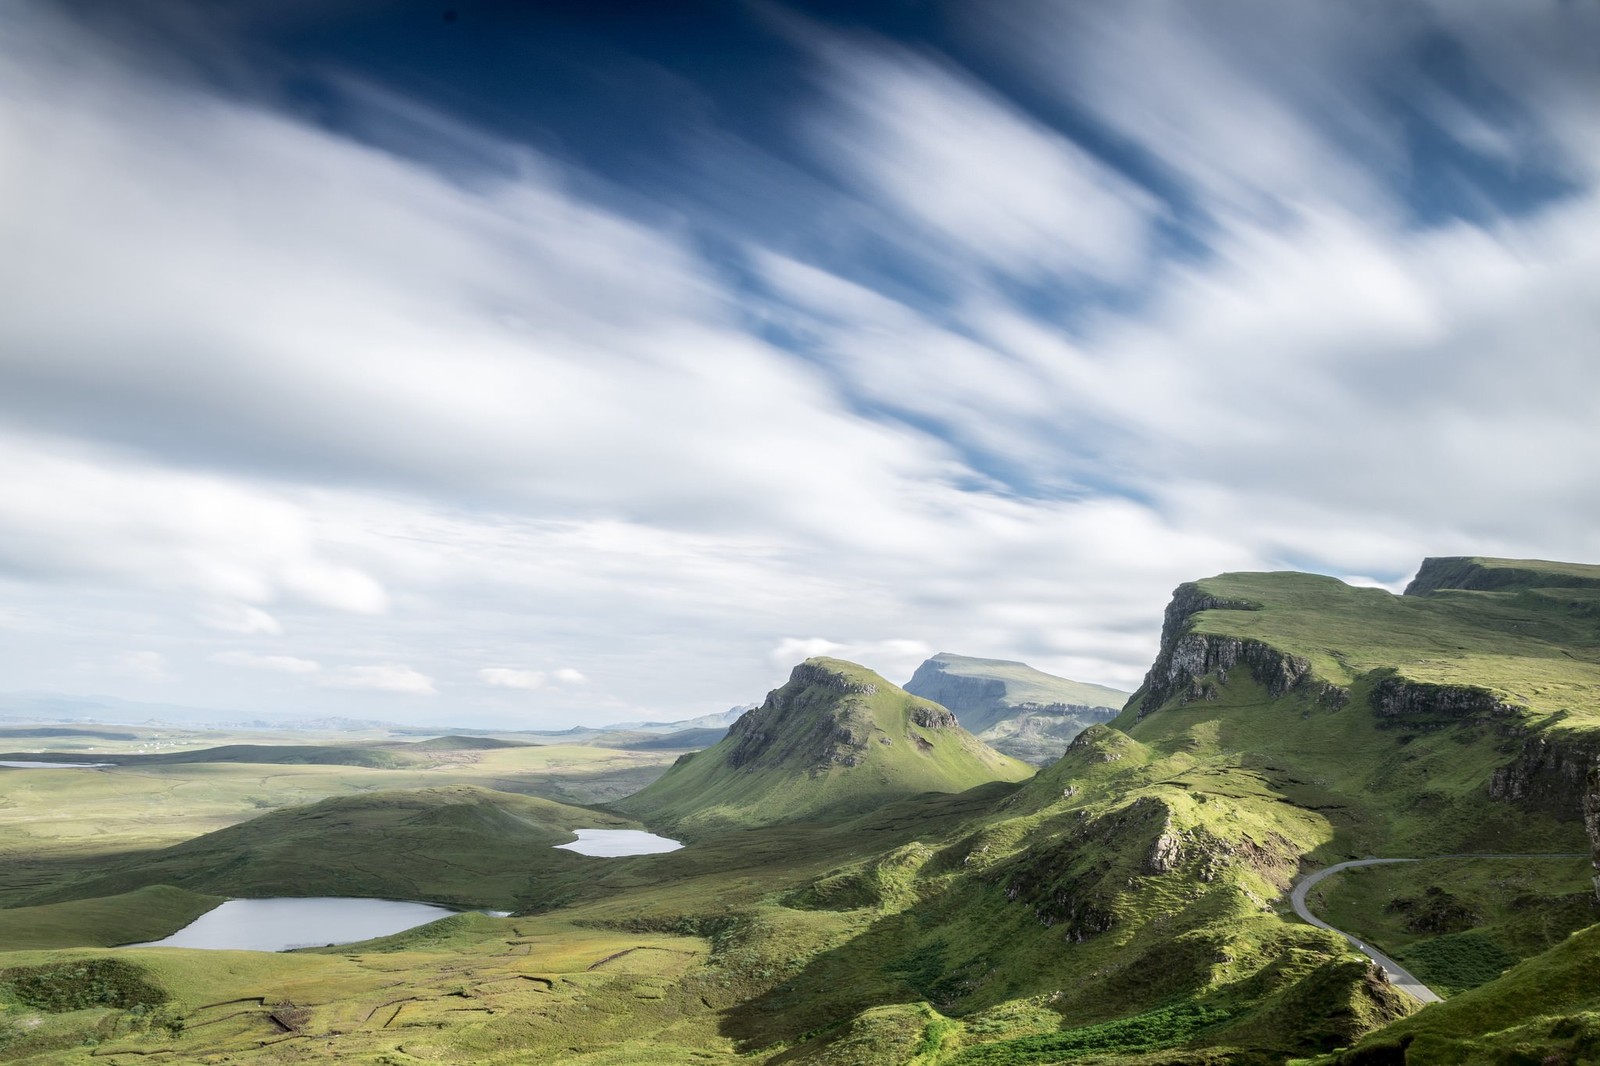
1126	904
56	825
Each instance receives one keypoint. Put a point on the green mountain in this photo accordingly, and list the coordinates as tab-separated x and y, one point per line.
1014	708
836	740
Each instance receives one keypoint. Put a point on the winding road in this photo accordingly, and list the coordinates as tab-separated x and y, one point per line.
1399	976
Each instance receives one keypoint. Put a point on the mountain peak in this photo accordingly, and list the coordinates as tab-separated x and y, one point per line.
837	738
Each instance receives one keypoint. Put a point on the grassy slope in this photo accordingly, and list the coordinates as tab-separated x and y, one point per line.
1457	923
56	825
1537	647
458	845
792	775
1543	1010
134	917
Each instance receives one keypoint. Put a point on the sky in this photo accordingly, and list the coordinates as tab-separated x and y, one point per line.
542	364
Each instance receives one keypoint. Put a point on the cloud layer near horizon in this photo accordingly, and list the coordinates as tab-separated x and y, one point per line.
294	419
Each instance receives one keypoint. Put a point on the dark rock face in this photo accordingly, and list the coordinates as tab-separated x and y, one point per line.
1186	657
813	674
1418	702
1190	657
1591	817
801	726
1187	601
1558	774
1549	773
932	682
1460	572
932	716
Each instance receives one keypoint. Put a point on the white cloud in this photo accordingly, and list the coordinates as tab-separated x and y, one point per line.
894	658
257	374
237	618
150	666
502	677
84	512
283	664
385	677
1256	107
936	147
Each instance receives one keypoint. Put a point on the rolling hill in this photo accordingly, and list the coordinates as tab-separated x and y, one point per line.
458	845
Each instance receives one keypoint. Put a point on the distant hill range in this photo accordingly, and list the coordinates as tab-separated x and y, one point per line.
1012	707
837	740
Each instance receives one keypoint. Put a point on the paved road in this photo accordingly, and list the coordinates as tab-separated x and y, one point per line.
1399	976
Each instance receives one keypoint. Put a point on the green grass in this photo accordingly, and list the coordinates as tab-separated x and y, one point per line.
1153	1030
1456	962
836	741
462	846
61	825
1547	1007
135	917
78	985
1457	923
1527	646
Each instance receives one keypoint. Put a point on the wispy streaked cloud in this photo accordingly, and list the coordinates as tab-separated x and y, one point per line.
283	664
976	339
383	677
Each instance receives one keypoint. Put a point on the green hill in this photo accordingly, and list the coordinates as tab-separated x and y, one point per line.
837	740
460	845
1016	709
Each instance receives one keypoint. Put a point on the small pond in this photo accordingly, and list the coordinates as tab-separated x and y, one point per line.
25	764
281	924
615	843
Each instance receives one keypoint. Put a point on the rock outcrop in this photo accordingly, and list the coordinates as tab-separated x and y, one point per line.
1186	657
1409	702
1591	818
1491	575
781	730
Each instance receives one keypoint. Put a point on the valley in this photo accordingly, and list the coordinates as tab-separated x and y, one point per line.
864	881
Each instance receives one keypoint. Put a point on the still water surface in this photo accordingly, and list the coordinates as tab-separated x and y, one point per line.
615	843
281	924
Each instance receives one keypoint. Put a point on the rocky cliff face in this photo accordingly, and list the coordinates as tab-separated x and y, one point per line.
1558	774
1460	572
1186	657
1591	818
933	682
794	720
1410	702
810	674
815	722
